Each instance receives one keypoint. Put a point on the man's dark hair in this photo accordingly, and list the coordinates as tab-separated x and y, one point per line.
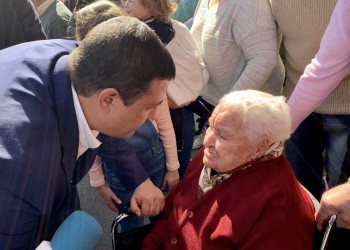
121	53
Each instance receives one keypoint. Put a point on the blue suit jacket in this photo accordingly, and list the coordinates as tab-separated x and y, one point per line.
39	140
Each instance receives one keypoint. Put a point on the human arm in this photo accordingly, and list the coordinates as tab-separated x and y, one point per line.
97	180
335	201
327	69
167	135
254	31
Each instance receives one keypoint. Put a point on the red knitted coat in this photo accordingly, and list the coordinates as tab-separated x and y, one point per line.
260	207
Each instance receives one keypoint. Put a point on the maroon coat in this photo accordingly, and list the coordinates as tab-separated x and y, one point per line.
260	207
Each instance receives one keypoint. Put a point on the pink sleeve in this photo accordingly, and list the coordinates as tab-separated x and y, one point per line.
167	135
96	173
327	69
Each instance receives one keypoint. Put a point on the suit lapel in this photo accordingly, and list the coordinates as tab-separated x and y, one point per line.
67	119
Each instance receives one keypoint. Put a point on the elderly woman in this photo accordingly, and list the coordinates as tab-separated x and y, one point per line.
239	191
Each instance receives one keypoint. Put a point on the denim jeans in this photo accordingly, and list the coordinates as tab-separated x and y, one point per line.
318	144
149	149
188	137
337	131
204	110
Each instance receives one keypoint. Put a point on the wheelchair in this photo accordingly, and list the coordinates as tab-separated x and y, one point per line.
335	239
130	240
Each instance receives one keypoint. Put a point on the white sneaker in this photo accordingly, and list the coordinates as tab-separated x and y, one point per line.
198	141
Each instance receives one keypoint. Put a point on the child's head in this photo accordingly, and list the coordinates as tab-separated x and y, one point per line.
93	14
161	10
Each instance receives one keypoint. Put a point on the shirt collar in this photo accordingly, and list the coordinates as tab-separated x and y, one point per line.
87	137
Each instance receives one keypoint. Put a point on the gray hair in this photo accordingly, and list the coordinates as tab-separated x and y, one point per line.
261	114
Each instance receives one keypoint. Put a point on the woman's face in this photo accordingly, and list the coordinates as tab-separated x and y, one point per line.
225	146
136	9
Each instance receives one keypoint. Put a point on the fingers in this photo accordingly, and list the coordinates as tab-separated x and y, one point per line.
152	207
112	207
171	179
173	184
134	206
148	206
321	219
147	197
335	201
325	211
343	221
164	183
116	199
113	201
320	224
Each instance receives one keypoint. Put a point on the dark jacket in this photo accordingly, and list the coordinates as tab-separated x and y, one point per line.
19	23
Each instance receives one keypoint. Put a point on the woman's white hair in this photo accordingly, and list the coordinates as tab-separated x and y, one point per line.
261	114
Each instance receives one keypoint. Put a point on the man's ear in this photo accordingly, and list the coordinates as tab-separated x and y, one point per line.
108	97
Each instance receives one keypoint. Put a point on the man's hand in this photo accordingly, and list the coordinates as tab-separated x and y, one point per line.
147	200
109	197
171	179
335	201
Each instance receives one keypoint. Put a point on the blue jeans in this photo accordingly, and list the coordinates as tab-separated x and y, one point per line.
149	149
188	137
316	135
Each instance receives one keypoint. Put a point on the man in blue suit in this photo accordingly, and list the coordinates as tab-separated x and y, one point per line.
59	101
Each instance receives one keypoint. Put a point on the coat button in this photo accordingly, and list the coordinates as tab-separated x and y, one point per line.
173	241
190	214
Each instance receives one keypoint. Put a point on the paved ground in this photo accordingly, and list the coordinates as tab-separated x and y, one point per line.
93	204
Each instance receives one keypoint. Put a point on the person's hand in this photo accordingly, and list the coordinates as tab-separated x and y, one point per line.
171	179
147	200
109	197
335	201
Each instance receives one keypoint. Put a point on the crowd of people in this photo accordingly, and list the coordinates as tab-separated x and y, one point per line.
112	88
